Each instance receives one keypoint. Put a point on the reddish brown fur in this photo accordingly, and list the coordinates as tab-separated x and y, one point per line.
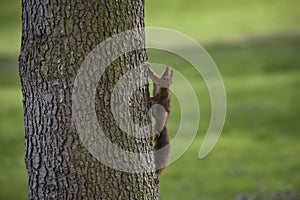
162	97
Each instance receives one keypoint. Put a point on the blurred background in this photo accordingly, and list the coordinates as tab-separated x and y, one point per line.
256	46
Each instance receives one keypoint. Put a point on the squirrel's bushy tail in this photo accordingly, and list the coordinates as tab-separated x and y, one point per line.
162	151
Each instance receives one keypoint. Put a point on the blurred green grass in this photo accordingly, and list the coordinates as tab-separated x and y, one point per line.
256	46
257	155
211	20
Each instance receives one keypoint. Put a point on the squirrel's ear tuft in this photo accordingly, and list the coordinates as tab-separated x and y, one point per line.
166	72
171	74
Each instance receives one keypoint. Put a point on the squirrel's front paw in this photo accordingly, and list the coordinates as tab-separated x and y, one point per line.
157	134
151	99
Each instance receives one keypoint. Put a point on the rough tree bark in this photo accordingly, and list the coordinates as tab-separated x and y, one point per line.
56	37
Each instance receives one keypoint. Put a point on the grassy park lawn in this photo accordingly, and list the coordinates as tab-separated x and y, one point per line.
257	153
255	45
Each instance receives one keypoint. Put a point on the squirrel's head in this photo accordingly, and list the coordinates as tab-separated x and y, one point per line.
166	79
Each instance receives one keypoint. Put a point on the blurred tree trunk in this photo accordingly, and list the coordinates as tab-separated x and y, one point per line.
56	37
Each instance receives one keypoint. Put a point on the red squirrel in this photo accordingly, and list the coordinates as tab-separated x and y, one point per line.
161	104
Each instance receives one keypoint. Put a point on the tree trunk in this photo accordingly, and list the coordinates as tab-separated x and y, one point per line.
56	38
